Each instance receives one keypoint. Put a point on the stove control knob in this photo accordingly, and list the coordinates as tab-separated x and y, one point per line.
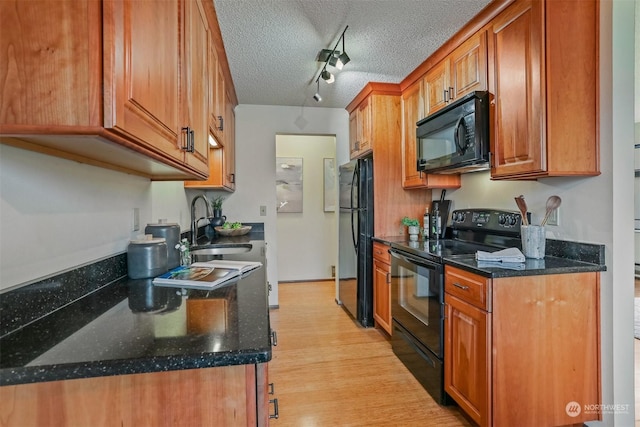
502	219
513	220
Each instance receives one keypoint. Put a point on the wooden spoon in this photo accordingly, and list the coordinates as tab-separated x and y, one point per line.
553	203
522	205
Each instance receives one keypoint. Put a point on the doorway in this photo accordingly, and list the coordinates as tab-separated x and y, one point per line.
306	214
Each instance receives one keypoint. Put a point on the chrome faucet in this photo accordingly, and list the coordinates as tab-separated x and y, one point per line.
194	221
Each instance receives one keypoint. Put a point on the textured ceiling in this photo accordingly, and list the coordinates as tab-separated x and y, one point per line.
272	45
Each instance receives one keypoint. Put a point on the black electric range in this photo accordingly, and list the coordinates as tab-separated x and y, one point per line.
471	230
417	287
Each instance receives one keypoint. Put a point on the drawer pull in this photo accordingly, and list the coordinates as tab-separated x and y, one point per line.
271	388
275	409
274	338
463	287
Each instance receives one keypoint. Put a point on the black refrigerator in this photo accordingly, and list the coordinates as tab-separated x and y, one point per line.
355	263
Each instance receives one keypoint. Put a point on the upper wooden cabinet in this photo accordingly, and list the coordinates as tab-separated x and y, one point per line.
221	119
543	67
360	130
412	112
108	86
380	104
461	72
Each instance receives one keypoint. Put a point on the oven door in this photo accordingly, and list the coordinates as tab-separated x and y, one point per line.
417	298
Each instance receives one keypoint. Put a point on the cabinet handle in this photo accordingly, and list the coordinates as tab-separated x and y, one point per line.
186	130
450	92
232	178
388	278
444	97
275	409
271	388
192	147
221	121
463	287
274	338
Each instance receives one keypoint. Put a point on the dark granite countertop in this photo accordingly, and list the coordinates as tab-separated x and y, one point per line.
130	326
561	257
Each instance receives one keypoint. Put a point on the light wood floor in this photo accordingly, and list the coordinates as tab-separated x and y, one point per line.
328	371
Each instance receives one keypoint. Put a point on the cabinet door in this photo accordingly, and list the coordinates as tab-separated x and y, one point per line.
229	146
216	95
467	352
436	88
195	79
469	66
142	85
364	125
412	112
353	134
518	75
382	294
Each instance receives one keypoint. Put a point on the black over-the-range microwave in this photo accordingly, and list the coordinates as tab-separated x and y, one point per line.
456	138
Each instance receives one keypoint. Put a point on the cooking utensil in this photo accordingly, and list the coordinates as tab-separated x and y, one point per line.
553	203
522	205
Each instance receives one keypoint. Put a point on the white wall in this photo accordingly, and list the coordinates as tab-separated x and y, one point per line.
256	130
56	214
313	228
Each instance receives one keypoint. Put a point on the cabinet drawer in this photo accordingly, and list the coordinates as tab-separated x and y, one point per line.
467	286
381	252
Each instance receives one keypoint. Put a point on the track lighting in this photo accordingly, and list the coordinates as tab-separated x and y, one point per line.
317	96
343	59
335	59
328	77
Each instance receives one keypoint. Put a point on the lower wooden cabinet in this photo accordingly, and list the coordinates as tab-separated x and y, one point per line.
223	396
521	350
382	286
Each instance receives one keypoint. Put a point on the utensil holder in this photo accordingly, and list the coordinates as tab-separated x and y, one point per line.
533	241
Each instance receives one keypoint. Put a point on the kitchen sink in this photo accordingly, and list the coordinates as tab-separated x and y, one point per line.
222	249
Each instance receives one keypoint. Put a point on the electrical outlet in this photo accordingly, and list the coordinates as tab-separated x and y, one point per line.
263	210
333	271
554	217
136	219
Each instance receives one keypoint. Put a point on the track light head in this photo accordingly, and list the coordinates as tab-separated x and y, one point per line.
342	60
317	96
328	77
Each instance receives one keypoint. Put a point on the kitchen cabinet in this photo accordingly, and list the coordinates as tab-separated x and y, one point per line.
461	72
543	68
382	286
360	130
108	86
391	202
467	343
412	112
222	173
499	331
231	395
221	125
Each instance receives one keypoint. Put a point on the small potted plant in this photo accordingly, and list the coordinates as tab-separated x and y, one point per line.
216	206
413	226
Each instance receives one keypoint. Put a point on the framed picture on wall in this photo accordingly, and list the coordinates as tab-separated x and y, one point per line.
288	184
329	193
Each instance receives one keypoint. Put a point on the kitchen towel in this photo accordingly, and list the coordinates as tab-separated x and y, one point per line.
505	255
503	265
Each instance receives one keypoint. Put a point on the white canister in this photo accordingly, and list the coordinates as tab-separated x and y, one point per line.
171	232
146	257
